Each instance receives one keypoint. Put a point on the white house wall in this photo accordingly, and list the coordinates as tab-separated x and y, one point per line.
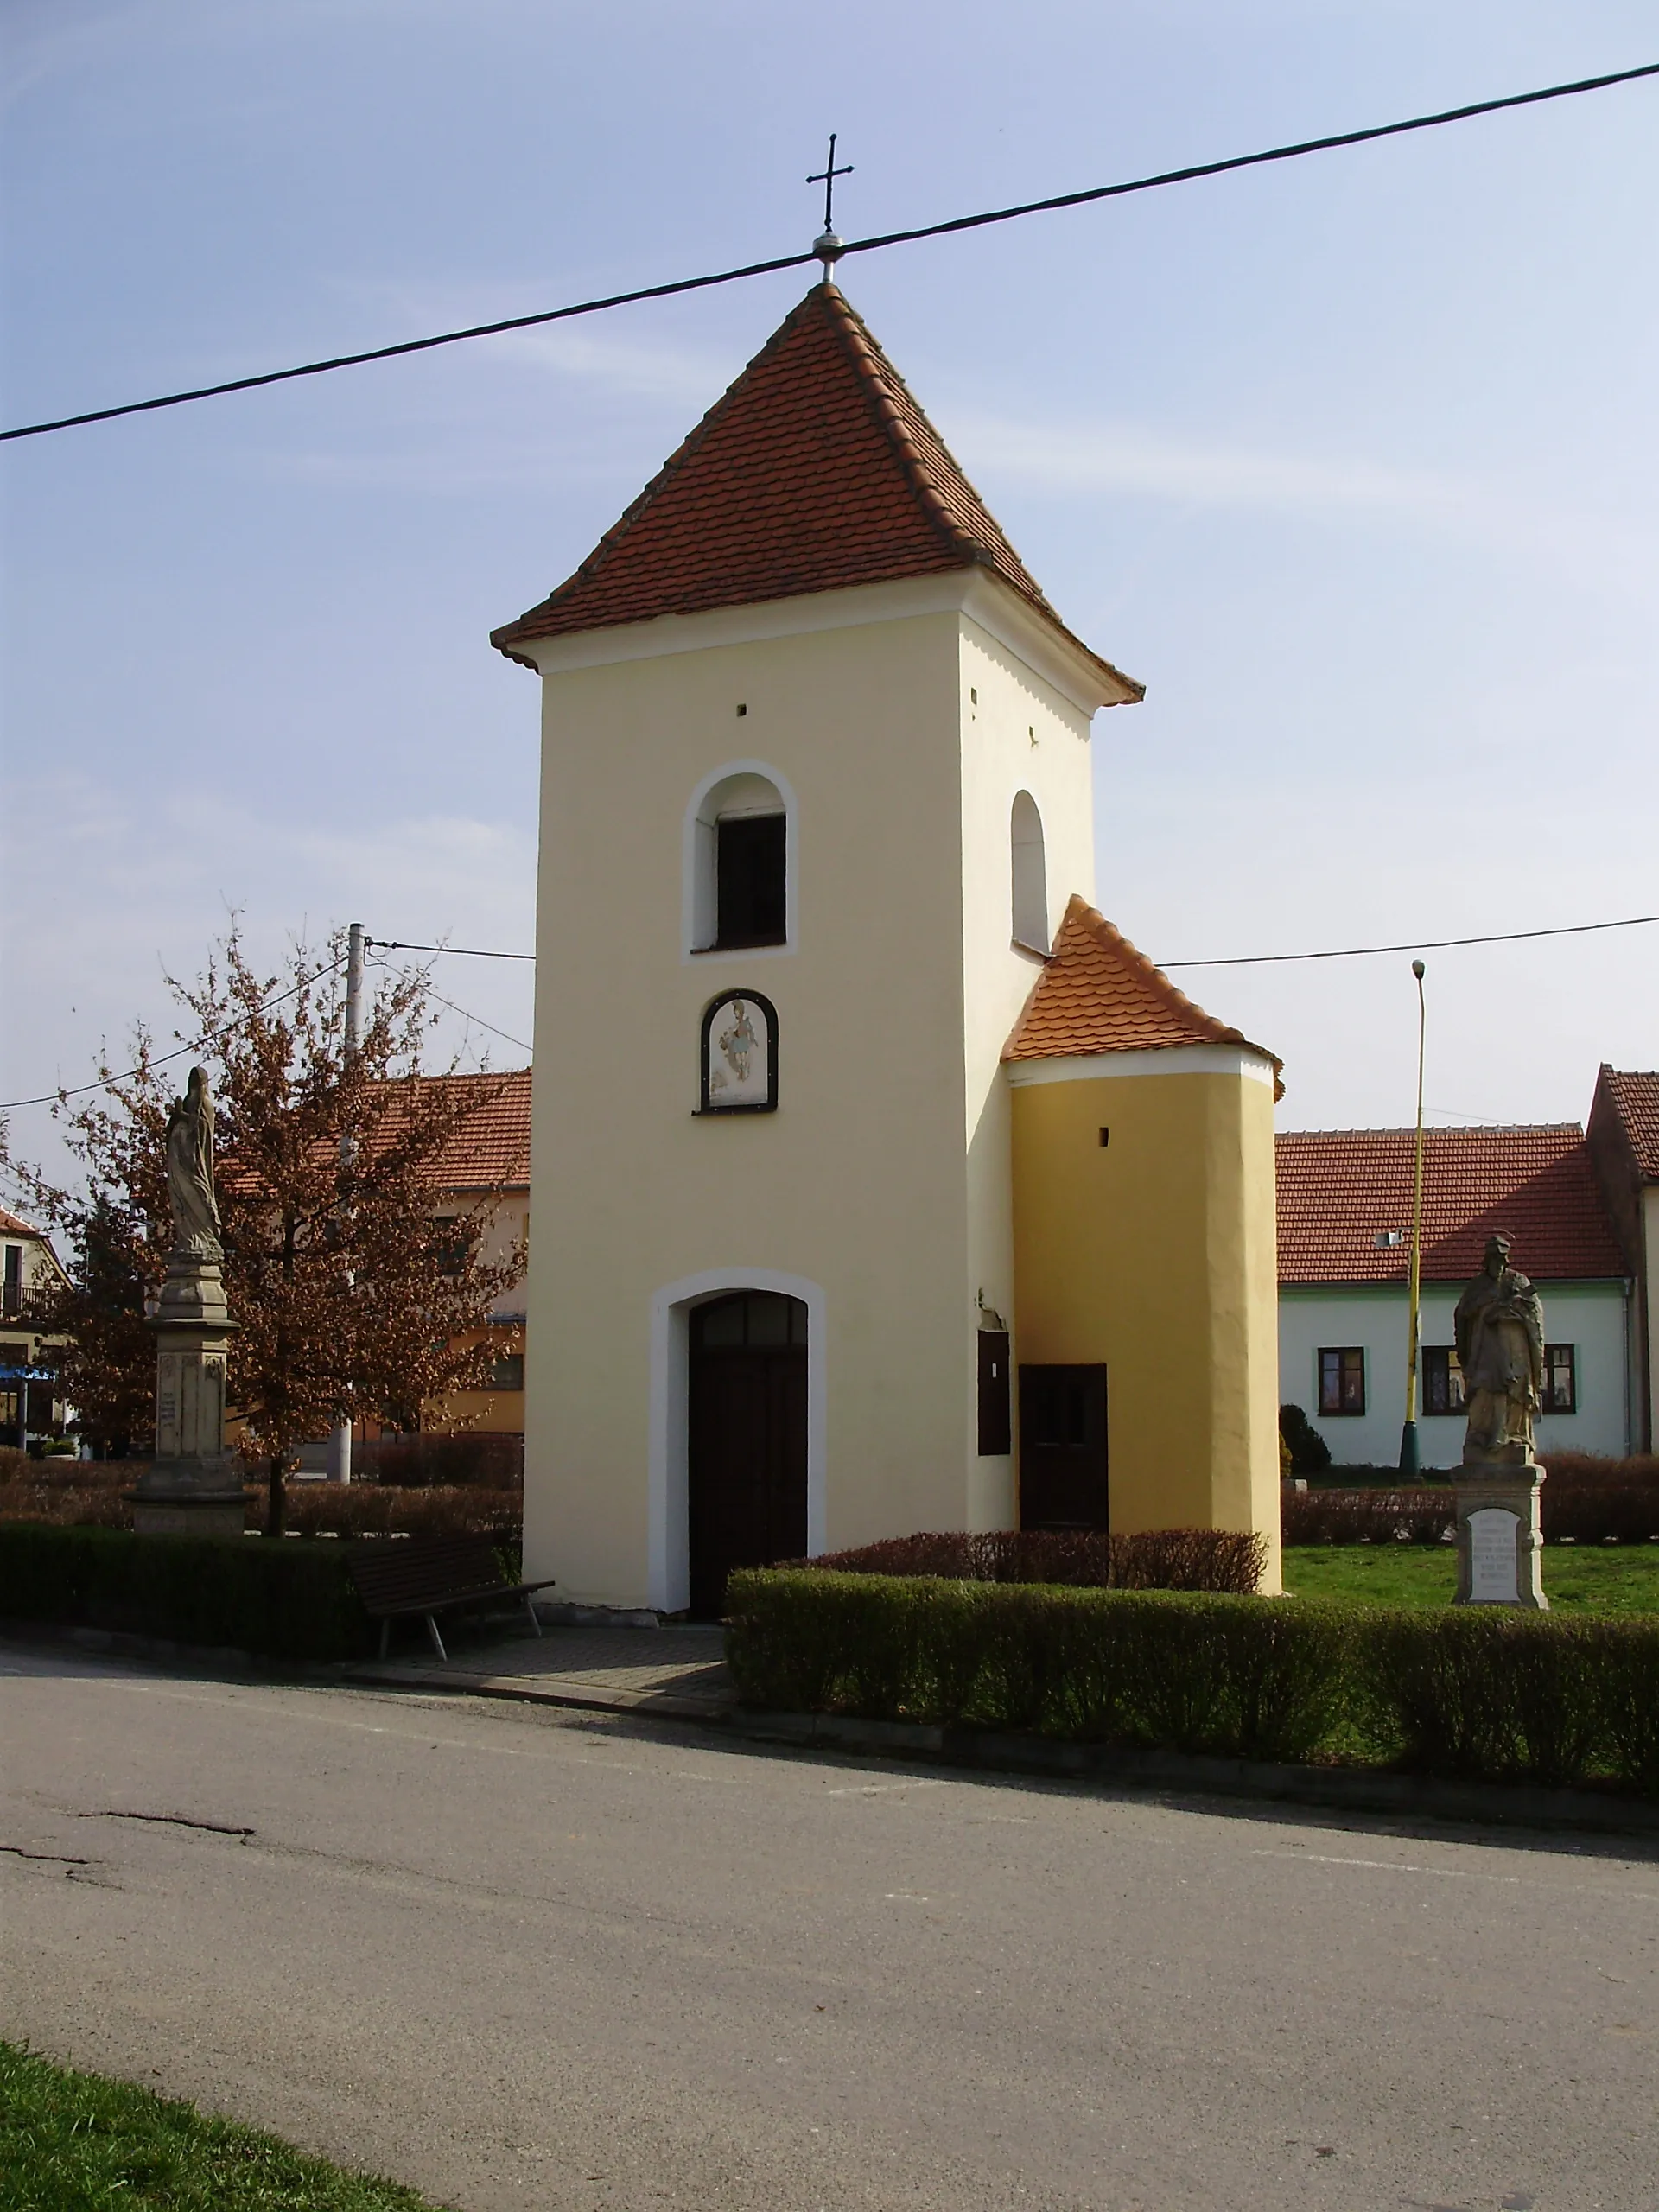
1592	1316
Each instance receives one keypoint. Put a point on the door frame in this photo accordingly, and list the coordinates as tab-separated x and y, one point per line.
669	1486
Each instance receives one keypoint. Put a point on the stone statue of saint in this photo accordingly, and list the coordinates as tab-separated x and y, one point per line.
190	1170
1500	1330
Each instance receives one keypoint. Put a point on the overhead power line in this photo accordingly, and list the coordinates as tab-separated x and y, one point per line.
1414	944
1225	960
876	245
161	1060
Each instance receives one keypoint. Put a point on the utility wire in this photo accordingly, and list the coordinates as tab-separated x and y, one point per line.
1229	960
1416	944
856	246
1226	960
161	1060
461	951
382	945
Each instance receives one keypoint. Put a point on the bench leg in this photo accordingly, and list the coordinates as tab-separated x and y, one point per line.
529	1608
437	1641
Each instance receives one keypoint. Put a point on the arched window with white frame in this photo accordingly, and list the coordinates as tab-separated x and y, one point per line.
1029	870
739	863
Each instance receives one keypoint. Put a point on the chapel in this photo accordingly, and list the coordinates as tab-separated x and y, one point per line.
879	1183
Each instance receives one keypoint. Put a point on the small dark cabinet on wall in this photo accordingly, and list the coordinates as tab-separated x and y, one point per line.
1063	1447
747	1440
995	1398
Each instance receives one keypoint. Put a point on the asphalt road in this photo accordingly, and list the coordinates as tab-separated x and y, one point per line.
525	1958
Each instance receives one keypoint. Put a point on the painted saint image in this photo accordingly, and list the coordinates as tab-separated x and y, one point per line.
740	1041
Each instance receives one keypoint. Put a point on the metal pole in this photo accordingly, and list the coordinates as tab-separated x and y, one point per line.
1409	1459
339	1438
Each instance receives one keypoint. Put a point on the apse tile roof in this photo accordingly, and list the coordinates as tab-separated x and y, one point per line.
1635	1101
12	1224
1339	1189
816	470
1097	993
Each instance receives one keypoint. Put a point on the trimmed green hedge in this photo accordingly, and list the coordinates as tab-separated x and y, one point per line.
288	1600
1466	1692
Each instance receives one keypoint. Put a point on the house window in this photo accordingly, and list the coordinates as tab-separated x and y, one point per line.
1560	1379
507	1371
1442	1380
452	1243
12	1286
738	860
1030	872
1341	1379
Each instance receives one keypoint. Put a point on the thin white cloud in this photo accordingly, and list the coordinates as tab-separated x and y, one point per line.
1077	456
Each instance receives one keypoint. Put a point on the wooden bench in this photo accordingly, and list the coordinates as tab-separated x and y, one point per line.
401	1576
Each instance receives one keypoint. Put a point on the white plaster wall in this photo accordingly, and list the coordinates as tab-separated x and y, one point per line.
1590	1315
855	1183
1020	733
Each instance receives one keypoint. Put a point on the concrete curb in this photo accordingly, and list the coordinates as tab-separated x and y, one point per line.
1354	1790
1328	1788
541	1689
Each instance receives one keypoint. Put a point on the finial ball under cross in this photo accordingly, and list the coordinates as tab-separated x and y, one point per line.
829	247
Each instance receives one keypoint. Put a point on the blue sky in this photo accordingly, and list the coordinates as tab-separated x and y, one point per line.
1351	461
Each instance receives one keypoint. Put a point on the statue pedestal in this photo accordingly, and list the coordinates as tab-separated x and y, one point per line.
194	1486
1500	1534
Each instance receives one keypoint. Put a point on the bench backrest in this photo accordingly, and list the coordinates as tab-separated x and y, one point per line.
403	1574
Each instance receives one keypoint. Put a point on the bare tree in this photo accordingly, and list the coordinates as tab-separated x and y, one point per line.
349	1301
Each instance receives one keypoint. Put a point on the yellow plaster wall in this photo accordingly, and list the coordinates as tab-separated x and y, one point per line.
1157	1256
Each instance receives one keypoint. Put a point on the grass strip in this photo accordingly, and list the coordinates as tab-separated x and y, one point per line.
1578	1578
76	2142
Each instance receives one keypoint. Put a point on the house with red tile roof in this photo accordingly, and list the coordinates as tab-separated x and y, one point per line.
1623	1139
881	1184
482	1174
1344	1209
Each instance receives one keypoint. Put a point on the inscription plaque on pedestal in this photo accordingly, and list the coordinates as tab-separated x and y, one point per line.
1493	1557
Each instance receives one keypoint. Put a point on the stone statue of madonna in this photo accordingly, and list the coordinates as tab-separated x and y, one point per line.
190	1170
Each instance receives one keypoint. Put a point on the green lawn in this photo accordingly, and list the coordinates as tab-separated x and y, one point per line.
1577	1578
74	2142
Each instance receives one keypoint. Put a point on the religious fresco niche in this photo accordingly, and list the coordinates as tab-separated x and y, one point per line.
739	1055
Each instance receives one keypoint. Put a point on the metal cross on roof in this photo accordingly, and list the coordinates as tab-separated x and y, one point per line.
828	247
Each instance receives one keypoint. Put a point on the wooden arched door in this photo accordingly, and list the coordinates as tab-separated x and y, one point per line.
747	1438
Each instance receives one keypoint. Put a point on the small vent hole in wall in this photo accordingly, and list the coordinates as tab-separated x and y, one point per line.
973	696
742	710
1105	1139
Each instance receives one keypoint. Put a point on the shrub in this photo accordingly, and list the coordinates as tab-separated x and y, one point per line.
1158	1559
1472	1691
1309	1452
1201	1671
1359	1516
469	1461
372	1509
1597	1501
284	1600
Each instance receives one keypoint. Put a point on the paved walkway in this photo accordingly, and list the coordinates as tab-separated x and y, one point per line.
674	1671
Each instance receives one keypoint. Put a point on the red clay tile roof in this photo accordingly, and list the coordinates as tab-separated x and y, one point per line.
12	1224
1339	1188
490	1149
816	471
1635	1101
1098	993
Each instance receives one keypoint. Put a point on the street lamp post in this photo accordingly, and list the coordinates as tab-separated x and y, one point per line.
1409	1459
